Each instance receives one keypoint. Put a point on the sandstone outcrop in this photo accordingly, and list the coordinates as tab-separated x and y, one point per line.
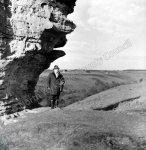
29	32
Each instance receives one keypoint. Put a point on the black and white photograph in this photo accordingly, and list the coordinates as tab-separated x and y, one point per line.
72	74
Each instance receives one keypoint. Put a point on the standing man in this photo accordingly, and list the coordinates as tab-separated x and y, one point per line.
55	83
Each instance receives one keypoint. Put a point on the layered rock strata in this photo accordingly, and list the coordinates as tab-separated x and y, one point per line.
30	30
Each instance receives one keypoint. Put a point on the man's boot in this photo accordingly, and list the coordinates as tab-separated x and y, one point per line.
56	103
52	104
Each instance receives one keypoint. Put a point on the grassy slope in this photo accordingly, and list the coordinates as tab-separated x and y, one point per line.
76	130
128	97
87	84
73	129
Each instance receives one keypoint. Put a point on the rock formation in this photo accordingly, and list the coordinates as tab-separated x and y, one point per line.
29	32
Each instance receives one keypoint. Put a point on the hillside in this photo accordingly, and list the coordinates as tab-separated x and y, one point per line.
77	130
80	85
113	119
131	97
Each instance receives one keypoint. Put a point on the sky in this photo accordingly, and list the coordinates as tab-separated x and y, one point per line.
102	27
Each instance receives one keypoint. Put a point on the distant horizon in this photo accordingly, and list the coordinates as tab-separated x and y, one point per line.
103	69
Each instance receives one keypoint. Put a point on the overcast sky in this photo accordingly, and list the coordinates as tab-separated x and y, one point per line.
102	26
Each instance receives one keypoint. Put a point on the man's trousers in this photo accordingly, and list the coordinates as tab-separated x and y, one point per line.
54	101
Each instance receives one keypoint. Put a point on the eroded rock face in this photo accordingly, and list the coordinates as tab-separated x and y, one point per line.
29	31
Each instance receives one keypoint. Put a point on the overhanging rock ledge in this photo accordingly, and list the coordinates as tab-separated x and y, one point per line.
29	32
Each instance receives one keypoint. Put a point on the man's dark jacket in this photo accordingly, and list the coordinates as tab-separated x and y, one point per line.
54	83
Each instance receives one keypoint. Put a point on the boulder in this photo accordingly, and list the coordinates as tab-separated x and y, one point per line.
29	32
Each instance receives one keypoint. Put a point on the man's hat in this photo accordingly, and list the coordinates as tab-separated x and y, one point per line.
56	67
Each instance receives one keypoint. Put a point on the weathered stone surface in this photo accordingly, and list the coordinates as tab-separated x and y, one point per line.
29	31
